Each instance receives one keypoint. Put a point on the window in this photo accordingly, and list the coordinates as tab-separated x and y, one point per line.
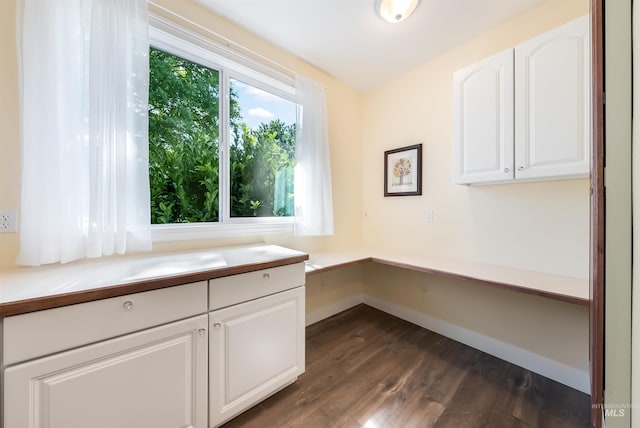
221	138
96	112
262	152
183	140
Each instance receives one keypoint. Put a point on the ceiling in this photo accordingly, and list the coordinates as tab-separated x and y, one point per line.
350	41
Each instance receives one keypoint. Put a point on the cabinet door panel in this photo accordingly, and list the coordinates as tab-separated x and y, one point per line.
155	378
552	103
483	120
256	348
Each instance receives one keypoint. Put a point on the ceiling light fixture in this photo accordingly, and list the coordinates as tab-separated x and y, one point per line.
395	10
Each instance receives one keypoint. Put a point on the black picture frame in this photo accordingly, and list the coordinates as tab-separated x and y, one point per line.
403	171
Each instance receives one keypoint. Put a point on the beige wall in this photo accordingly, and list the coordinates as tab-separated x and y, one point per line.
326	289
9	144
539	226
344	108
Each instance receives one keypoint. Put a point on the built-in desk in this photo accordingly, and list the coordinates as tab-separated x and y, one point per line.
557	287
24	290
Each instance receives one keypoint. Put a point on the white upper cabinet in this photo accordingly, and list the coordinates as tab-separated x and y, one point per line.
528	108
483	125
553	104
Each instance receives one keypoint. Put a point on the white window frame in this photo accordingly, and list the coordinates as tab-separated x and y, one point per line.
169	37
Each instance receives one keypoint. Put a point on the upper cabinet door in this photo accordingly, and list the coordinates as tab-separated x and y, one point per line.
483	120
553	104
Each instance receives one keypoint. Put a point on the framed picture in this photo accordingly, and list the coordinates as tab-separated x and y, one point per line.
403	171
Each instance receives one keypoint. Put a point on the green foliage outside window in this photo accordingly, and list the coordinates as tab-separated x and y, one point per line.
184	149
261	164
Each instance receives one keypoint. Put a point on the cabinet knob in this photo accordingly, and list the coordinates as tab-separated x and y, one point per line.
520	168
507	169
266	276
217	325
128	306
202	331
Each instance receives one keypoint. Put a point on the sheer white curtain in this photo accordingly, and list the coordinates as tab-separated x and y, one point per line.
84	89
313	193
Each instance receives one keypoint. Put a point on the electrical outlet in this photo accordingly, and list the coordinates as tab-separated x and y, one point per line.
8	221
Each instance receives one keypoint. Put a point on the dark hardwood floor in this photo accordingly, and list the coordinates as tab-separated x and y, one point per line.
368	369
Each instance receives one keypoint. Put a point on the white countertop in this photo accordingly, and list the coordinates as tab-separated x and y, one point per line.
45	281
570	289
86	276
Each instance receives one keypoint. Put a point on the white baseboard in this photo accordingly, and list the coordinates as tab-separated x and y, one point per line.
567	375
335	308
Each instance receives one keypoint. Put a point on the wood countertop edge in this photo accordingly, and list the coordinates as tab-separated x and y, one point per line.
454	275
64	299
339	265
492	283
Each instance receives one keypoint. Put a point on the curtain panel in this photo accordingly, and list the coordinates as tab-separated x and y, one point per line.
312	183
83	68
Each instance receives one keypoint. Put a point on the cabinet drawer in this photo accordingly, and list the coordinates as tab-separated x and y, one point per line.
243	287
40	333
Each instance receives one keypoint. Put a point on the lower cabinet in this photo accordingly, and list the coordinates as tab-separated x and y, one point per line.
256	349
189	356
154	378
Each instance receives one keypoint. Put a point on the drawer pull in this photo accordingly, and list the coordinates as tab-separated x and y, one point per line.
266	276
128	306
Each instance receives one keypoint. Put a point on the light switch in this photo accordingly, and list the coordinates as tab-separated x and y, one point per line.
429	217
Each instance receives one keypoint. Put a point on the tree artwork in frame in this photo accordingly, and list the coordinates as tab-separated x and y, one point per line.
403	171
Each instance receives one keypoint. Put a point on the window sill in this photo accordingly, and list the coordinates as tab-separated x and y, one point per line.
183	232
